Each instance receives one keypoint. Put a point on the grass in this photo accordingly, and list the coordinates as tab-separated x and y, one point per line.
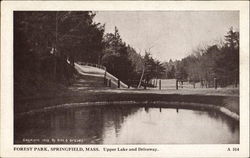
231	102
82	91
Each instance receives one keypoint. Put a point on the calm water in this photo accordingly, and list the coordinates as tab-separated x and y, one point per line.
126	125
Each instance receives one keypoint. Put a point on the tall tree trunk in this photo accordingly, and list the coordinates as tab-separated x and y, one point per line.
55	49
139	85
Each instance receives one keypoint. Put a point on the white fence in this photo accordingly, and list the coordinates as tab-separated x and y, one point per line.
93	65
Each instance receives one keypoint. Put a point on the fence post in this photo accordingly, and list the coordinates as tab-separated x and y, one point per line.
118	84
109	82
144	85
105	80
159	84
215	83
176	84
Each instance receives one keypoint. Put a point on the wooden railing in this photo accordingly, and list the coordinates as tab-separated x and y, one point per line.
108	78
93	65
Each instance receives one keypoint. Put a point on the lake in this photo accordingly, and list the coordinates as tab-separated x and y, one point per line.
125	124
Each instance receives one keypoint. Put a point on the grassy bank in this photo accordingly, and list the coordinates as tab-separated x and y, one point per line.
92	89
229	102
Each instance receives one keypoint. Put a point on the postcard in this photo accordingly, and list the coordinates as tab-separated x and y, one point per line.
124	79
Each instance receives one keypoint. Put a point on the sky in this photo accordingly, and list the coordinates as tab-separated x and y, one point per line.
169	34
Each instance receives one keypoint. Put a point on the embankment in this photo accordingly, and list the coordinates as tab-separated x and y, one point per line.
228	105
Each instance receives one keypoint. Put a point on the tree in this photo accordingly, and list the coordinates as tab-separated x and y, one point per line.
152	68
227	63
171	73
44	40
79	37
116	57
232	39
220	61
180	73
149	66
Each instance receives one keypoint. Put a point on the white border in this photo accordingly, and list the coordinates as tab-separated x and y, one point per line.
164	150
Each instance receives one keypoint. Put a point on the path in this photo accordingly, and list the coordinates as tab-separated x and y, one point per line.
93	78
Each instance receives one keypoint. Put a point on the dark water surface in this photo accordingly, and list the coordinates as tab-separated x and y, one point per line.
127	124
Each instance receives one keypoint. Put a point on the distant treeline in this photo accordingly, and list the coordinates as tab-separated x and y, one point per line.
204	65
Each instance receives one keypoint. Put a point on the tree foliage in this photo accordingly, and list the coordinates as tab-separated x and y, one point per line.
215	61
116	57
153	68
44	40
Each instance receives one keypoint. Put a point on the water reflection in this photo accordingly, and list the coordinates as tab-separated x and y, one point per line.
128	124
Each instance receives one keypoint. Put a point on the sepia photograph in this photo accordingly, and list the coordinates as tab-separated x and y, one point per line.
124	79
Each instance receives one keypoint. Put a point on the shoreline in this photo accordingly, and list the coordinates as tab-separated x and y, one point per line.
198	91
228	105
155	104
